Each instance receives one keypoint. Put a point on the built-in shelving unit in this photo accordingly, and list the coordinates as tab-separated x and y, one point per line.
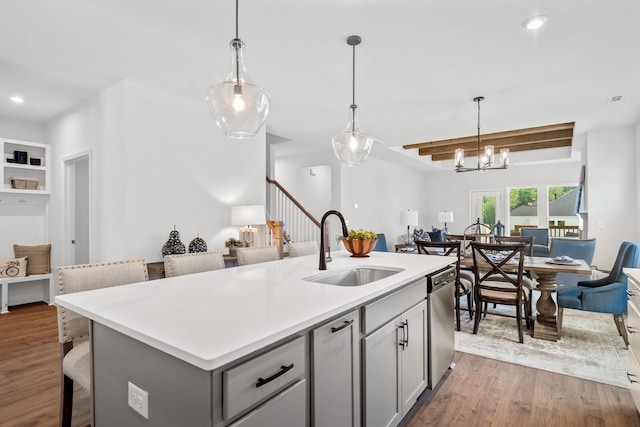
40	173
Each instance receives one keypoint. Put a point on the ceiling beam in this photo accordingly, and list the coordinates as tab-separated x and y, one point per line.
510	133
502	142
525	147
535	138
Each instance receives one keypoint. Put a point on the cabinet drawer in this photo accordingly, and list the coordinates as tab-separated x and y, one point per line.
380	312
633	290
261	377
287	409
633	327
633	373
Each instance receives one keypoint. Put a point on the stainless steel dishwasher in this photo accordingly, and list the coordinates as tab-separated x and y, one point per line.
440	322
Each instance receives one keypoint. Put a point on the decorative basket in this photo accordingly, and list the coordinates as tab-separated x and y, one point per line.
24	184
359	248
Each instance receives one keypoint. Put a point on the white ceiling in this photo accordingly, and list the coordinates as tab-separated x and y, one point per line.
419	65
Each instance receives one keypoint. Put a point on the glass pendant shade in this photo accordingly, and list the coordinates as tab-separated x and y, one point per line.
239	106
352	146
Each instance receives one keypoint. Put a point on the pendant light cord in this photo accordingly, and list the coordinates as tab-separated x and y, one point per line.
353	93
237	44
478	140
237	19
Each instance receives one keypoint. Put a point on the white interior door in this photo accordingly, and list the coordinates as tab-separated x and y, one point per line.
77	209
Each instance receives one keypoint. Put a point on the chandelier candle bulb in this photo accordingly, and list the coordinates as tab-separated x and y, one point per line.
459	157
504	156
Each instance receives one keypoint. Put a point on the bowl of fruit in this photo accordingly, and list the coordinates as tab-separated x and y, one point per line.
360	242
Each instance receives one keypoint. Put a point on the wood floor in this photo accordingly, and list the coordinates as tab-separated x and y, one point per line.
478	392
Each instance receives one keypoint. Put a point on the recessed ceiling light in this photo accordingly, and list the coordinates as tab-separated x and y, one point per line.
535	22
17	99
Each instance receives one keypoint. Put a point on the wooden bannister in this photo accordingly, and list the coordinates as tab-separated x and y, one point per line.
299	223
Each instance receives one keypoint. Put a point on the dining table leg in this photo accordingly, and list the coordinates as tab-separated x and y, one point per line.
546	325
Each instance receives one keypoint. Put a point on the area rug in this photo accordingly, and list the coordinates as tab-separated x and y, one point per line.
590	348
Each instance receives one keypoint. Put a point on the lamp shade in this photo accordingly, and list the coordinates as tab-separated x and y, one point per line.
247	215
409	217
445	216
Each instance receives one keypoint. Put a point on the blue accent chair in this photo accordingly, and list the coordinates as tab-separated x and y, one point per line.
606	295
381	246
576	249
540	240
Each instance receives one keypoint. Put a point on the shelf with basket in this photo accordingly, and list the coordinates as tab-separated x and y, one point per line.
25	167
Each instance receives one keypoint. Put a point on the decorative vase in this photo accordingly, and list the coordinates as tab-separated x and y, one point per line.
173	245
233	250
197	245
359	248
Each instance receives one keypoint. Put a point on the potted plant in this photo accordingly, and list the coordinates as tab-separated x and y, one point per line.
233	244
360	242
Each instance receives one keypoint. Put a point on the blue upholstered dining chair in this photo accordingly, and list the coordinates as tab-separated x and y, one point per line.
576	249
381	246
606	295
540	240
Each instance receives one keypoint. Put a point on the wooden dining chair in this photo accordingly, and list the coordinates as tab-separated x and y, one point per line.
527	240
528	279
464	279
494	266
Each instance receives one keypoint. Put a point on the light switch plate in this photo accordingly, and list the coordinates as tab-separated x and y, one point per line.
138	399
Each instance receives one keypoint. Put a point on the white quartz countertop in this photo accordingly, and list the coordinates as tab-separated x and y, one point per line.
213	318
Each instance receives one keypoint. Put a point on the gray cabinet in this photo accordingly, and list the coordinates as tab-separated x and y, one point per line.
381	376
413	363
336	373
287	409
394	355
633	328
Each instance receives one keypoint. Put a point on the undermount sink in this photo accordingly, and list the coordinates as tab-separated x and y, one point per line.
355	276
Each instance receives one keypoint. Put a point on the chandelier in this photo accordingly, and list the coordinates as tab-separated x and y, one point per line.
485	159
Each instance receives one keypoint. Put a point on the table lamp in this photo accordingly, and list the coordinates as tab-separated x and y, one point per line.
410	218
445	217
247	215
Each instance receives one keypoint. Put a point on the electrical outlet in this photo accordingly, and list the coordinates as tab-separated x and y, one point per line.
138	400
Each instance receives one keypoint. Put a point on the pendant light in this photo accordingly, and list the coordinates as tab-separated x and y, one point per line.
239	106
352	146
485	159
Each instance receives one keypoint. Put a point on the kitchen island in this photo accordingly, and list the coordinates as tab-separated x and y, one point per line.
188	342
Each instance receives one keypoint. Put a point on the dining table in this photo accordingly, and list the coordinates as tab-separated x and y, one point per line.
545	269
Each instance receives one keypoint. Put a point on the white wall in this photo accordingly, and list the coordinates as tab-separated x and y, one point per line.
612	185
637	187
158	161
374	193
24	130
287	172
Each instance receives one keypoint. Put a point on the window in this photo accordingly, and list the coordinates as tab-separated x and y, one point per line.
563	221
523	209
